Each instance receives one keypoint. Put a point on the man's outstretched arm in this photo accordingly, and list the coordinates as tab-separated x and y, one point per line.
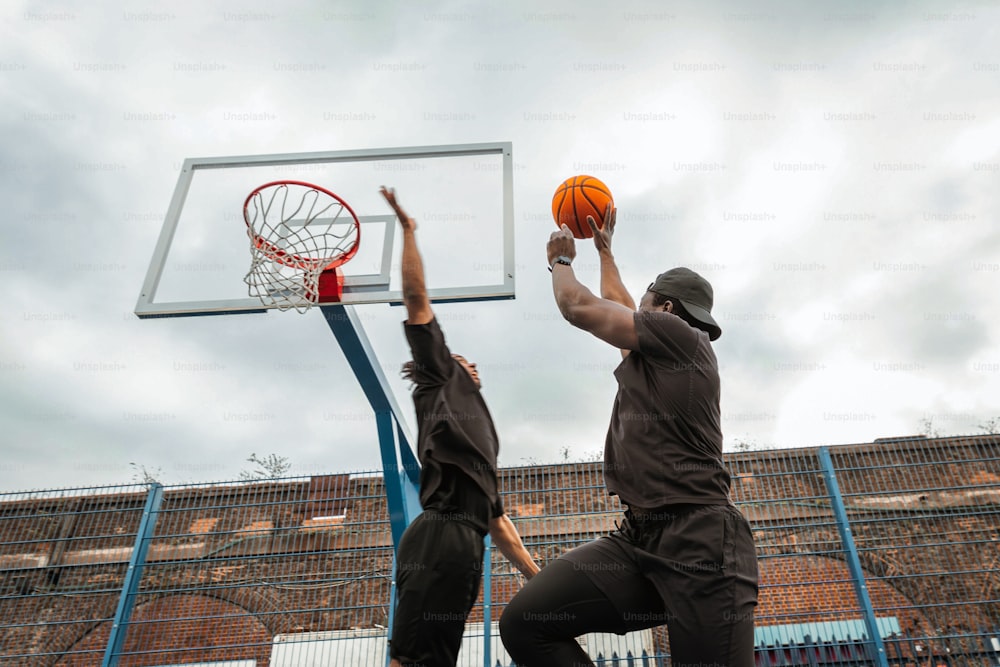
418	306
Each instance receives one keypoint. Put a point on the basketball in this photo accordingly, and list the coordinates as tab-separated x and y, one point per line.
578	197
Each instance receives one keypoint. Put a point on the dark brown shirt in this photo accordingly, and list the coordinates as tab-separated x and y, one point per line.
664	445
457	444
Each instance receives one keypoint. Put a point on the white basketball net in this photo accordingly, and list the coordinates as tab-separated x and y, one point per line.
296	231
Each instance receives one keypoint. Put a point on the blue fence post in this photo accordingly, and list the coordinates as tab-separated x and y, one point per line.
487	602
126	602
391	616
851	554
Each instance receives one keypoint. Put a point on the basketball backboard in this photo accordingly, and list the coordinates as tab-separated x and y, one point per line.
460	195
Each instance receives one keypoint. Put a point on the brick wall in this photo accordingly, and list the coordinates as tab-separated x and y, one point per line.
817	588
163	631
244	563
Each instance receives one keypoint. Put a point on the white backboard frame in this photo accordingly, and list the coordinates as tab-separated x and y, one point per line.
372	288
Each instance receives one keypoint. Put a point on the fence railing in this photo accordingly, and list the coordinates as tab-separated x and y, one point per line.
879	554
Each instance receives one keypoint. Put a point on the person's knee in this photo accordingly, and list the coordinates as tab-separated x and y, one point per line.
515	630
510	622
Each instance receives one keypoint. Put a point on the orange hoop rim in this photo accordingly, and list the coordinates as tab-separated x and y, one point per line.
290	259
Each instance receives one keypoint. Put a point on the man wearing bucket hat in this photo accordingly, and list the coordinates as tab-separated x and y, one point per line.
683	555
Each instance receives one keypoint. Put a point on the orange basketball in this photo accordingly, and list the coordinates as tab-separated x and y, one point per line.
577	198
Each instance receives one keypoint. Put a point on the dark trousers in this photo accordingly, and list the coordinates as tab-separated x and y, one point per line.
438	570
693	569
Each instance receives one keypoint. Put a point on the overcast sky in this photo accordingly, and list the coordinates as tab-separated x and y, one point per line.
832	169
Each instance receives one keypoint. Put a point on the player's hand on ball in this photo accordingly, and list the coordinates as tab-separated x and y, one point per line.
602	235
561	244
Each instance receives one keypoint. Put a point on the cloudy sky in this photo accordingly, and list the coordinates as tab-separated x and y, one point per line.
832	169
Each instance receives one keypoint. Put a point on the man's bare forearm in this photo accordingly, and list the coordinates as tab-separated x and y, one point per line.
414	287
508	541
612	287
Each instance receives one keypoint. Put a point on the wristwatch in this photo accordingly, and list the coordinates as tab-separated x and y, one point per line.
561	259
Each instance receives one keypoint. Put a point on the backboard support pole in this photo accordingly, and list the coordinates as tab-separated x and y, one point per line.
401	472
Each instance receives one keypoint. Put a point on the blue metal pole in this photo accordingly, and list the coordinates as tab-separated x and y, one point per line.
402	490
392	606
126	601
487	602
410	464
851	553
400	472
393	477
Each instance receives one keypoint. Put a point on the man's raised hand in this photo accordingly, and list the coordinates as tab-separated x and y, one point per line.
602	235
405	221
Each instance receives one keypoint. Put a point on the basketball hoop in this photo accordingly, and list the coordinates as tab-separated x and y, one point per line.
300	234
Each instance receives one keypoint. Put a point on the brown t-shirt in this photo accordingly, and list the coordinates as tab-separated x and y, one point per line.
664	445
457	444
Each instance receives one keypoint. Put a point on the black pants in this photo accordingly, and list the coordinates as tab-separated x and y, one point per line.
438	570
693	570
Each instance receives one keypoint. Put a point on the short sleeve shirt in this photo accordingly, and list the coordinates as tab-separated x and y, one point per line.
664	444
457	444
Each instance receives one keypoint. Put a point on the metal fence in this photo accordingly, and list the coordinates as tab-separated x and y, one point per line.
878	554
